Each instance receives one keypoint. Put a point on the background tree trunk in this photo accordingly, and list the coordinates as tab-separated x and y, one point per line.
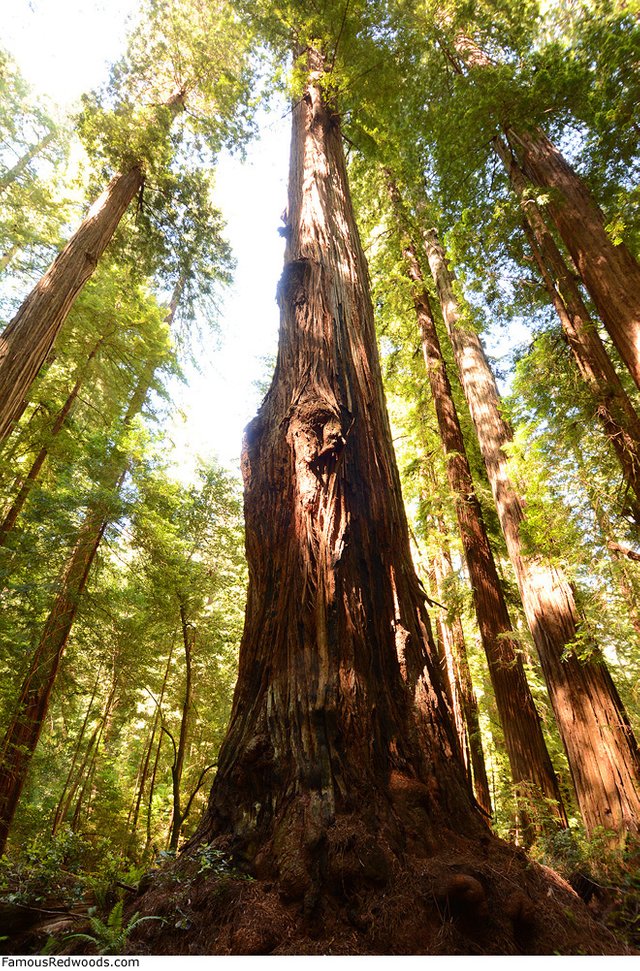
609	271
8	523
13	173
453	639
26	341
521	727
600	745
613	407
22	735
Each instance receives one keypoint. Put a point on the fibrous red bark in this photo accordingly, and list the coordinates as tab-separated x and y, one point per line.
522	730
612	405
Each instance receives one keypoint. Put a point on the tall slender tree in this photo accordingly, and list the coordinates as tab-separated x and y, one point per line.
601	748
522	730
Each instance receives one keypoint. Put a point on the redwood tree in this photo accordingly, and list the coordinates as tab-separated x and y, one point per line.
340	773
521	726
601	748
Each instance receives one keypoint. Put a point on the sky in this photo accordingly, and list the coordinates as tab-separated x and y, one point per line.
64	48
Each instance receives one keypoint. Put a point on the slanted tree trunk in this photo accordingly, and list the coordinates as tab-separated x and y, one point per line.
600	745
26	341
22	735
528	756
16	171
608	270
613	407
8	523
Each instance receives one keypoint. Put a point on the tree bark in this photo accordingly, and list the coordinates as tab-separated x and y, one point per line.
340	784
64	801
600	745
453	639
339	703
188	639
609	272
528	757
613	407
144	772
26	341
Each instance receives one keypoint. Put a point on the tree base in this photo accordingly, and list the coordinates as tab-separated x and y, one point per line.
451	896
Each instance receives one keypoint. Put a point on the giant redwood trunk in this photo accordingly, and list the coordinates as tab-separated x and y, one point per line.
600	745
26	341
612	405
339	702
608	270
528	757
340	786
22	735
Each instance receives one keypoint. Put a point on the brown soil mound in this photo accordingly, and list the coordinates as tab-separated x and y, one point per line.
465	897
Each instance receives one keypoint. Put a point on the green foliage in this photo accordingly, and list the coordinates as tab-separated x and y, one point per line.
110	936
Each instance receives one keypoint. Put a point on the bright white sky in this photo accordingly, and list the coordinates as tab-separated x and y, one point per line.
65	47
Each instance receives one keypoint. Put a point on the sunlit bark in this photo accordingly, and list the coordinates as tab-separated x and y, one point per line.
601	748
26	341
609	271
613	407
521	727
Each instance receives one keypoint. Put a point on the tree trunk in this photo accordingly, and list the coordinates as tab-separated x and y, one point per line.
608	270
13	173
601	749
340	784
188	640
22	735
7	256
26	341
91	760
8	523
147	758
339	702
613	406
528	757
455	647
62	801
